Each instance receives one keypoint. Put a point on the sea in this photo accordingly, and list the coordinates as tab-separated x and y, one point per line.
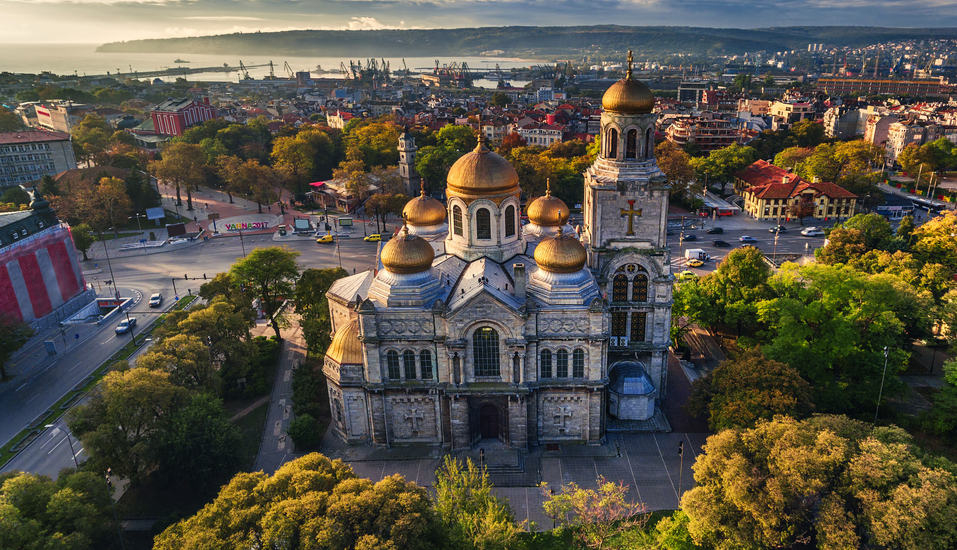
83	59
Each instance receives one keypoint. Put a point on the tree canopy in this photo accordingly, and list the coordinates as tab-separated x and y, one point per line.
269	273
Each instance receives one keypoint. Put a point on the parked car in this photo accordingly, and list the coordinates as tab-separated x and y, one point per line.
721	244
812	232
695	263
778	229
687	275
156	300
716	231
689	237
373	238
324	239
125	325
747	239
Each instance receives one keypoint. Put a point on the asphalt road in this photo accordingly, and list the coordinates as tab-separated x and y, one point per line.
789	242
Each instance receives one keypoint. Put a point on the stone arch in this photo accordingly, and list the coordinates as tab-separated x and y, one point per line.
612	146
510	221
631	144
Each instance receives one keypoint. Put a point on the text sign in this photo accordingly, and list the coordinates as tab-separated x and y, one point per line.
246	226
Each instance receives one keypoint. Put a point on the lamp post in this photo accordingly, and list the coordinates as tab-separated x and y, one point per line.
129	324
776	235
138	216
110	264
109	486
70	440
881	393
241	242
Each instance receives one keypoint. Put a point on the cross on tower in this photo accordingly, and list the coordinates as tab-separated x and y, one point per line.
561	415
413	416
631	213
630	61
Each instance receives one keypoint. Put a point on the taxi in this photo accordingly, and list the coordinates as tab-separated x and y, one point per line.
374	238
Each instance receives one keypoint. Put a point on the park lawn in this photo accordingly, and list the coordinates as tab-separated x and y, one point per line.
252	427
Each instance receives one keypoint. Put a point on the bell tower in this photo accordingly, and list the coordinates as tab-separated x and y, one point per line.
407	150
625	229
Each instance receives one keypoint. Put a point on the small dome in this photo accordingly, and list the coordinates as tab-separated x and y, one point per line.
629	378
406	254
560	254
628	96
346	349
423	211
547	211
482	172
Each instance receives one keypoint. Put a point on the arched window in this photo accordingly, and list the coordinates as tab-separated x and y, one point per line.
408	361
638	326
510	221
516	368
483	224
425	364
631	144
650	143
639	288
392	360
619	288
612	143
338	411
456	220
485	352
546	364
578	363
562	364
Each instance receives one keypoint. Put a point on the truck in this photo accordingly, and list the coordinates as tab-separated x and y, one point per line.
696	254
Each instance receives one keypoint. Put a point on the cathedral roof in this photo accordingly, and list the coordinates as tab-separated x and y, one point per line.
560	254
346	349
407	254
482	174
484	275
630	378
547	211
424	211
349	287
628	96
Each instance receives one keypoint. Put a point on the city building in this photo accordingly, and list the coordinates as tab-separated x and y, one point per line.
60	116
477	328
786	114
902	133
769	192
847	86
41	282
709	132
877	127
27	156
173	116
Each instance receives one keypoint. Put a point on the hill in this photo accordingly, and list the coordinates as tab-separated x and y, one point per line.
527	41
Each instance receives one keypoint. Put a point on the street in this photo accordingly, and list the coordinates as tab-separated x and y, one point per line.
789	242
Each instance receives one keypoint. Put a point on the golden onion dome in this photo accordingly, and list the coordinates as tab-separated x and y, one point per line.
547	211
481	173
406	254
560	254
423	211
346	349
628	96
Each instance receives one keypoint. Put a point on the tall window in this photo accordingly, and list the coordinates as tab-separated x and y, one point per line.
618	321
631	144
485	352
483	224
408	361
638	326
425	365
562	364
619	288
392	360
639	288
649	144
546	366
613	143
578	363
338	411
457	220
510	221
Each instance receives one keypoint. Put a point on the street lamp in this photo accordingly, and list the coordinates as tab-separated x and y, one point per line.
129	324
109	487
881	393
67	432
138	216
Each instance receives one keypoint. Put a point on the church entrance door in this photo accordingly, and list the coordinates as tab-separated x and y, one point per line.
488	419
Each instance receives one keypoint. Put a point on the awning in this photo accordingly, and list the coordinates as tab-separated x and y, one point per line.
317	184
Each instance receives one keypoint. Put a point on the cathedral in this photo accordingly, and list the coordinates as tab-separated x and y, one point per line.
478	327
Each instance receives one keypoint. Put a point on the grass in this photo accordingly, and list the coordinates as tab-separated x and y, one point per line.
59	408
252	427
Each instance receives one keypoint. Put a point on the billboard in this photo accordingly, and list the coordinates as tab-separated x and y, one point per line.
302	225
345	222
176	229
155	213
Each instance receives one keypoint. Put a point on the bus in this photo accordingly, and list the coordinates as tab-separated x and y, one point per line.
895	213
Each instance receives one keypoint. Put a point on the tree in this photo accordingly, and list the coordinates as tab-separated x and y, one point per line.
294	158
15	195
730	294
311	502
182	164
141	193
843	246
376	142
676	164
111	199
828	479
83	238
905	230
749	388
720	165
269	273
304	431
353	175
475	517
187	360
850	164
9	121
48	186
91	137
124	411
792	157
801	209
498	99
512	140
596	516
14	333
313	306
248	178
875	228
934	241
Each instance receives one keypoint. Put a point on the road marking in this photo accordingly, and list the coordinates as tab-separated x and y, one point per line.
285	376
34	397
57	445
21	387
74	366
278	428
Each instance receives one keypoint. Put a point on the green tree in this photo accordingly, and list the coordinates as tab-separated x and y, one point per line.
313	306
843	246
730	294
876	229
720	165
499	99
597	516
475	517
377	142
83	238
113	202
91	137
793	157
676	164
14	333
304	431
934	241
15	195
269	273
187	360
183	165
48	186
750	388
294	159
9	121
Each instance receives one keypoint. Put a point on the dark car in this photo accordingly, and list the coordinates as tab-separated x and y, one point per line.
125	325
716	231
689	237
721	244
778	229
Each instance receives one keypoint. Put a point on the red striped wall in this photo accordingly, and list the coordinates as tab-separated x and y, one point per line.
63	268
35	285
8	299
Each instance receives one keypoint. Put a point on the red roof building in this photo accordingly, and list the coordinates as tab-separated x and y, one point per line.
173	116
773	193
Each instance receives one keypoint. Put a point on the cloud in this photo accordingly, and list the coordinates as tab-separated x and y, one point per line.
223	18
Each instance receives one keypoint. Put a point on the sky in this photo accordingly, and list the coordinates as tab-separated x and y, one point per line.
99	21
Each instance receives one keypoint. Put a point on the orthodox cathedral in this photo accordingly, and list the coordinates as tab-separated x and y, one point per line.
477	327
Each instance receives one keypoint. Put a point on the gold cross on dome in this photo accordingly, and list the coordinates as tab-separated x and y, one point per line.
631	60
631	213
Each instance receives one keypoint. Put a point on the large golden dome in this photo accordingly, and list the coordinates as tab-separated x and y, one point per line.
423	211
547	211
560	254
346	349
628	96
406	254
482	173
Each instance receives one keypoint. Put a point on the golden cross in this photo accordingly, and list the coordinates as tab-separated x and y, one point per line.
630	61
631	213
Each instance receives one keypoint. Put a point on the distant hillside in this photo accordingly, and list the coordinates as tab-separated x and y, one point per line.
525	41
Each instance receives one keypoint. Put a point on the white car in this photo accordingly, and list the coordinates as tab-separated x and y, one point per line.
812	232
156	300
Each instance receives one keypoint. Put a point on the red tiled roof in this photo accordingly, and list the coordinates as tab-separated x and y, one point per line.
767	181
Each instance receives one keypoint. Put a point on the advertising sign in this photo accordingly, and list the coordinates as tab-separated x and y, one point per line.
246	226
155	213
